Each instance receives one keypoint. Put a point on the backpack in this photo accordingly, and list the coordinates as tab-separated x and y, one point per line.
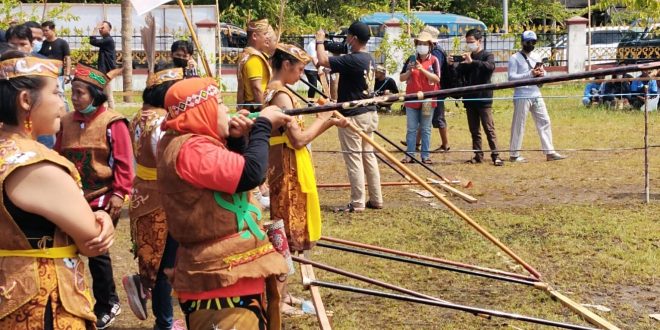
447	73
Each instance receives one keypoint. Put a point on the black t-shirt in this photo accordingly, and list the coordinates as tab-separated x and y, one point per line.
386	84
55	50
356	75
107	55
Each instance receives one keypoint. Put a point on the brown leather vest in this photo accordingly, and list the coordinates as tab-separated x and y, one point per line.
212	252
145	197
18	275
87	146
242	59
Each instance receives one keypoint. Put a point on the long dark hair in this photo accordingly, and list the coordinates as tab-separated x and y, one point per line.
11	88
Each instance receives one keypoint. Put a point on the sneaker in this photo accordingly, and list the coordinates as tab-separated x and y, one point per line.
137	299
554	156
349	208
179	325
498	162
105	319
374	206
517	159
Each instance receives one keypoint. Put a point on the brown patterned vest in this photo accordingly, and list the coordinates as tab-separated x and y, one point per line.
145	197
287	201
18	275
87	146
242	59
213	252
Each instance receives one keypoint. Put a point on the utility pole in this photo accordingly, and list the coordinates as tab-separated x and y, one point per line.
505	16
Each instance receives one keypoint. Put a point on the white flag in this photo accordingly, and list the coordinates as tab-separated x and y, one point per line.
144	6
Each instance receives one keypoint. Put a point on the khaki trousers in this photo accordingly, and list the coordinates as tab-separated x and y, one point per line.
361	162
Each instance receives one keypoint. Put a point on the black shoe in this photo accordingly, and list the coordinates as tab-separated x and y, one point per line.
475	160
105	319
137	299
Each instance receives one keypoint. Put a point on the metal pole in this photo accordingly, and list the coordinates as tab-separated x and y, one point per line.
647	184
589	35
462	308
505	16
427	258
427	264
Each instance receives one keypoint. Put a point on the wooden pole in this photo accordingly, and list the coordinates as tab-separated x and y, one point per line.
307	274
207	68
592	317
442	198
647	183
217	15
348	185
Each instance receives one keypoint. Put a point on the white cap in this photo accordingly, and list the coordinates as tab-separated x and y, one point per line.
528	35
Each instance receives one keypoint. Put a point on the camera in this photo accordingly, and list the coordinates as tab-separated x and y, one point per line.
336	47
458	58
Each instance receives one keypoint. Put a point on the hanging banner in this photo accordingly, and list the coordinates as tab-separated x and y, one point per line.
144	6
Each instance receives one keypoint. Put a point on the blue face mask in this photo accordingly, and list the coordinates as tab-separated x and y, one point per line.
90	108
36	46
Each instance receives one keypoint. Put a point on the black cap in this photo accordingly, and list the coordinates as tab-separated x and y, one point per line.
360	30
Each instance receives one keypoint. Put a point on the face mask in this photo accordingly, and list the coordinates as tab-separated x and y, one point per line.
472	47
528	48
422	49
90	108
36	46
180	62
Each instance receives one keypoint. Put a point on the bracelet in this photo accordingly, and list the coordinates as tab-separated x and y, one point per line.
319	42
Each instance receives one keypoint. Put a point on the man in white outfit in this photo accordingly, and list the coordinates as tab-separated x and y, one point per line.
525	65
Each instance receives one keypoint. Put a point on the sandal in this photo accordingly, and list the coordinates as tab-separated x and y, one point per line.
291	300
498	162
473	161
406	160
442	149
427	161
289	310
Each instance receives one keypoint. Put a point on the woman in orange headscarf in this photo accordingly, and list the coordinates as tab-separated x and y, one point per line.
205	172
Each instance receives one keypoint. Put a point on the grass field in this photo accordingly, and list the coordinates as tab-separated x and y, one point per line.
581	222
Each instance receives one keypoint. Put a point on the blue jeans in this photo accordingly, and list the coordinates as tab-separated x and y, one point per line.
161	295
414	120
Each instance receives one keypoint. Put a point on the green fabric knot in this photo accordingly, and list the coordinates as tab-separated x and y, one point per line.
242	209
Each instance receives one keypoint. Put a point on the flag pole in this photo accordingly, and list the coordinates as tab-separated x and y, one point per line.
207	68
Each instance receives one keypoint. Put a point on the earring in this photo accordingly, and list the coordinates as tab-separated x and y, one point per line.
28	123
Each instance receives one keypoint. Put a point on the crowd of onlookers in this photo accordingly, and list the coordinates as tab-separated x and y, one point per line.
622	91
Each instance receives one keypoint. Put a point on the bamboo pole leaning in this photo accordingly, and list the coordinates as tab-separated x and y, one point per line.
193	34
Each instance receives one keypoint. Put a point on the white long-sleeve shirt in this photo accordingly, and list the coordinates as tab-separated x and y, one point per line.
519	68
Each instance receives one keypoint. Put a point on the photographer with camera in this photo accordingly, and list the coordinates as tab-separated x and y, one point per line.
525	65
476	67
356	75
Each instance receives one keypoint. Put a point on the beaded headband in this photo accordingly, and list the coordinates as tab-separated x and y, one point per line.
165	76
91	76
192	101
29	66
296	52
258	25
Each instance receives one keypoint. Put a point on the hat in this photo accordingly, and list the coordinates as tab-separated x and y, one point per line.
528	36
380	68
432	31
360	30
165	76
295	51
29	66
260	25
91	76
425	37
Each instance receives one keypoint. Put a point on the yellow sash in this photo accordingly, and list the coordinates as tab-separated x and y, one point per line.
69	251
307	183
146	173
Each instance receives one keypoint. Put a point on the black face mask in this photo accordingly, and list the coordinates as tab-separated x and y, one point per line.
180	62
528	48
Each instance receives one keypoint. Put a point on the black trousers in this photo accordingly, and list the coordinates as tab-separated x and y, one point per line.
482	116
312	78
103	283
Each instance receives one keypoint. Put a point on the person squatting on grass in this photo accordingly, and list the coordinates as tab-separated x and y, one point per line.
206	169
525	65
45	221
293	194
154	249
97	141
356	83
477	68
